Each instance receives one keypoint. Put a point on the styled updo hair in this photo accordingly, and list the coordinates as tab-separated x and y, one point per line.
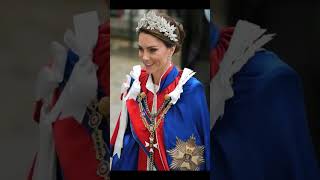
166	40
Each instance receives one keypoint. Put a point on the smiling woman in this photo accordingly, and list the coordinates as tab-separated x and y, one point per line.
156	48
154	54
164	120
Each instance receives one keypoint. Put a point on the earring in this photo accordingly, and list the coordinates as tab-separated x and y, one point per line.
169	58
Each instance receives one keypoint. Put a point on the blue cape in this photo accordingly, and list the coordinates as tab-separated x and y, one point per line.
264	133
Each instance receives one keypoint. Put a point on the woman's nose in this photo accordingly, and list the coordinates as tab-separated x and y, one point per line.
144	56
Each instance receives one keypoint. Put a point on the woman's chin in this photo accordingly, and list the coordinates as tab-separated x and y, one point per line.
149	69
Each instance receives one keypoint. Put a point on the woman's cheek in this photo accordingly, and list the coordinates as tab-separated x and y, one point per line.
156	59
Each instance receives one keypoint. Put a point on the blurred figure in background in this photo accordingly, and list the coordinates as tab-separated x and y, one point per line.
72	105
259	128
297	42
194	53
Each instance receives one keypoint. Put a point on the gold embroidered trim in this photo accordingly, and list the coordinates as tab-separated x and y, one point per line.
97	113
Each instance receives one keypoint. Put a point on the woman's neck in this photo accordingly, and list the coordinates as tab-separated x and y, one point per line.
156	77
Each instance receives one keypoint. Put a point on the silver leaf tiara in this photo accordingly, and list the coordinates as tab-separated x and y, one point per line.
152	21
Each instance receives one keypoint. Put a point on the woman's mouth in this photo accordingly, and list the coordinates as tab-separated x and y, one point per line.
148	65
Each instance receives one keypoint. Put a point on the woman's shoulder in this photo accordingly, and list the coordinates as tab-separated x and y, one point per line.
192	85
266	70
266	64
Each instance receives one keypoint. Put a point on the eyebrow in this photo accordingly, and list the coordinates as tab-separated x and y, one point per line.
149	47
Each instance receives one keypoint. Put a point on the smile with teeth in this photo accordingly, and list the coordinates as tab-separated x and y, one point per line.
148	65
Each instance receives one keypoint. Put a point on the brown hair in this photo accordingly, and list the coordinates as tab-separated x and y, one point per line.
166	40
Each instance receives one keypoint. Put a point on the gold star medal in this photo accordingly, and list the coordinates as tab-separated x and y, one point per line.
186	155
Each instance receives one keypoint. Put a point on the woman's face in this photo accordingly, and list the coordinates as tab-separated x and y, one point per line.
154	54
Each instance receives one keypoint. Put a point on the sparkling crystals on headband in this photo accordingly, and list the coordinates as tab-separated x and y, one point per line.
152	21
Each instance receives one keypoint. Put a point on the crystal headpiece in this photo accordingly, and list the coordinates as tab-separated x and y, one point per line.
152	21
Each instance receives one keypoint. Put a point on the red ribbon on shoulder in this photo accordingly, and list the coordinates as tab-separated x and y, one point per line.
216	55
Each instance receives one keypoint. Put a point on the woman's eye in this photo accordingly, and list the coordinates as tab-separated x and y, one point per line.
153	50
